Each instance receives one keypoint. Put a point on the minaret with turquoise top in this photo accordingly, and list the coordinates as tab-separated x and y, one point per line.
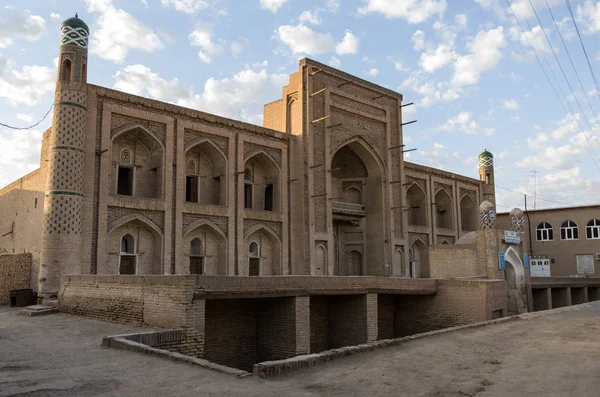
63	202
486	175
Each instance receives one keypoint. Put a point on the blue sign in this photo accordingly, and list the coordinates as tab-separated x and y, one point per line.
501	262
526	260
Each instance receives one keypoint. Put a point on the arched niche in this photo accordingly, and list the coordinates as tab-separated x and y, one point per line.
261	183
142	175
206	176
143	241
356	175
443	210
419	258
468	214
213	244
269	258
514	274
417	205
321	260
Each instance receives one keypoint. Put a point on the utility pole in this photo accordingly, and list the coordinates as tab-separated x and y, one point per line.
534	175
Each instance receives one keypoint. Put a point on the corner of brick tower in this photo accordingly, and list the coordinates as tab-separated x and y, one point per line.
63	201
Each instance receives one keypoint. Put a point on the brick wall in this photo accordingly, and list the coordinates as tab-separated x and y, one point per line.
14	274
454	261
319	323
458	302
348	320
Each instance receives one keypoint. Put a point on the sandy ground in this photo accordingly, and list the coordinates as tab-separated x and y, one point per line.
554	354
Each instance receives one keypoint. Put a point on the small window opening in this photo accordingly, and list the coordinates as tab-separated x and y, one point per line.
191	189
248	195
125	181
66	70
197	258
84	73
269	197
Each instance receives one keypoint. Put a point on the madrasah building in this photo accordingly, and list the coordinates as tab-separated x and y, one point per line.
129	185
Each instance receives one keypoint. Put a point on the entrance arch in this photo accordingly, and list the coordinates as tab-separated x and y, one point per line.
514	273
419	259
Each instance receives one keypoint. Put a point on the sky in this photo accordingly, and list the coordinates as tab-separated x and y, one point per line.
478	79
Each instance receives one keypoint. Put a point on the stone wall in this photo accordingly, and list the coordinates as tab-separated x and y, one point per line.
447	261
14	274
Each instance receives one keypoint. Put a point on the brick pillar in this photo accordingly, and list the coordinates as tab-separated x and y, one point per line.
302	309
195	321
371	317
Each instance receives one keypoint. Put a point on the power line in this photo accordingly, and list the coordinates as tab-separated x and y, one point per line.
563	73
539	198
31	126
583	47
548	78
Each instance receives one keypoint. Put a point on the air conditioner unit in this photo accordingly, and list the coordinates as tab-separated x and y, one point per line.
598	256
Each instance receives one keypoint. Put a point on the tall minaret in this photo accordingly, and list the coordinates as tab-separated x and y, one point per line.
61	234
486	175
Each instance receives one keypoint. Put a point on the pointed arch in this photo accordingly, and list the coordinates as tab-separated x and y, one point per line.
133	217
200	140
257	228
204	222
468	213
353	195
358	142
443	205
417	206
131	127
261	152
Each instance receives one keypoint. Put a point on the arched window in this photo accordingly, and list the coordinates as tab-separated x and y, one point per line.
127	257
544	232
65	74
592	229
125	156
197	265
191	168
254	259
569	231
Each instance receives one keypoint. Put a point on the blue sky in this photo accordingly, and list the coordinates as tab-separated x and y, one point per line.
466	64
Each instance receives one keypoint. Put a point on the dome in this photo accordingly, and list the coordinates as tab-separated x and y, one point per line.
75	22
486	154
516	212
486	206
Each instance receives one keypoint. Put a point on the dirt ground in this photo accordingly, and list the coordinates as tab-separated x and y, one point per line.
553	354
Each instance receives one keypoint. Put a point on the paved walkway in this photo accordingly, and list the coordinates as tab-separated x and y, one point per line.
551	355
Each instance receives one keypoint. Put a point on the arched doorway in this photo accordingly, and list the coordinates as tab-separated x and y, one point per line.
515	283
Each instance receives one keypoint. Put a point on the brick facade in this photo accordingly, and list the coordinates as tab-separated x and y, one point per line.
15	271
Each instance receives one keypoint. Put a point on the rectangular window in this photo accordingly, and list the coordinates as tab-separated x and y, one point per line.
269	197
248	195
254	267
191	189
585	264
196	265
125	181
127	264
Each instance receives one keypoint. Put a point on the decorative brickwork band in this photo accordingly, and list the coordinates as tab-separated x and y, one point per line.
77	36
486	162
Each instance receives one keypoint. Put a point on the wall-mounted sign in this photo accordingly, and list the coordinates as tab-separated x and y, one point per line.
501	261
526	260
511	237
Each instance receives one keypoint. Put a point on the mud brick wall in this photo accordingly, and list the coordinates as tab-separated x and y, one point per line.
454	261
15	271
458	302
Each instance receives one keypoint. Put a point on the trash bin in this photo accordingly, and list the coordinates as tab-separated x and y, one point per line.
21	298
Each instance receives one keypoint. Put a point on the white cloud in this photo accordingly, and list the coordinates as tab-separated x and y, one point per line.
332	5
20	25
55	16
536	38
462	122
25	86
272	5
510	104
310	17
414	11
19	153
202	37
433	60
118	32
461	20
303	40
372	72
236	48
418	39
186	6
26	117
400	66
484	55
493	5
516	119
523	57
335	62
522	8
241	96
348	45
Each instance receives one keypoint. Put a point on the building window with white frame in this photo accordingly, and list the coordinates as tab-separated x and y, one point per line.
569	230
127	256
592	229
544	232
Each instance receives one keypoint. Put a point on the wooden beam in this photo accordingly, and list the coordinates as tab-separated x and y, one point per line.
318	92
321	119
